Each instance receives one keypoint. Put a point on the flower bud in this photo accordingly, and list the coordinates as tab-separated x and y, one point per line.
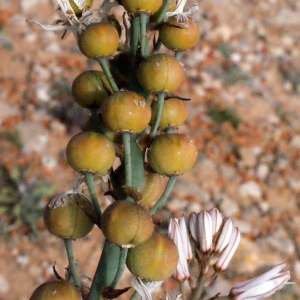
224	236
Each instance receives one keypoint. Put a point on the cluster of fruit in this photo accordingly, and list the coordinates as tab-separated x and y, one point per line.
134	114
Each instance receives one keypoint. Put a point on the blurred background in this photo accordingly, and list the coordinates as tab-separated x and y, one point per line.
244	81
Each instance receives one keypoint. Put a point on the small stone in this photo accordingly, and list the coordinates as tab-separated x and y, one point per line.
262	171
23	259
4	285
229	206
250	189
295	141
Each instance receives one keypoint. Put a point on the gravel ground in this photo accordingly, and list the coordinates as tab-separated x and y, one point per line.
244	81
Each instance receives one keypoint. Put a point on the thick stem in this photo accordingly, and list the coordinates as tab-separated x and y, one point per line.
163	11
181	288
157	46
106	270
159	107
90	184
127	158
165	194
135	34
121	267
198	290
143	36
103	63
72	265
178	54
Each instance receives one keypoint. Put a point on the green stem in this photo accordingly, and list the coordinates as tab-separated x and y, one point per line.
181	288
106	270
178	54
163	11
165	194
198	290
135	34
90	184
121	267
134	296
127	158
103	63
159	107
157	46
143	36
96	120
72	265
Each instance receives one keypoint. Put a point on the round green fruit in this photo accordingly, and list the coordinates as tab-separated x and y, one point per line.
126	111
64	215
174	112
156	259
126	223
90	152
172	153
160	72
56	290
90	89
133	6
176	36
98	39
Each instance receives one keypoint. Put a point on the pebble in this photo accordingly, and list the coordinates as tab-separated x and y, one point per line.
250	189
262	171
33	136
4	284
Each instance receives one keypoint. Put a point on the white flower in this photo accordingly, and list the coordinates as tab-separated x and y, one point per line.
63	199
180	238
181	16
145	290
69	22
262	286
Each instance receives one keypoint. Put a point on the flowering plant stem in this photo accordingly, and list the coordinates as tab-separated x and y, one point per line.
135	34
103	63
198	290
144	19
178	54
127	158
166	193
160	102
121	267
72	265
90	184
106	270
163	11
96	120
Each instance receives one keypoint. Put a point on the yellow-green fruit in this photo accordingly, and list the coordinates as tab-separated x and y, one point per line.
152	188
90	89
56	290
179	38
172	153
126	111
174	112
160	72
98	39
156	259
90	151
126	223
133	6
66	219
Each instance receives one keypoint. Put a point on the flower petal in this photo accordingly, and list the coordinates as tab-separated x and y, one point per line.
204	231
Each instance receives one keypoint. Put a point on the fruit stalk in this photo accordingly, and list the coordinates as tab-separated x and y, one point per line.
160	102
127	158
72	264
103	63
165	195
144	19
90	183
121	267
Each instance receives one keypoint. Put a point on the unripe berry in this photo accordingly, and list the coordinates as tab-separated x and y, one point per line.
98	39
181	37
134	6
126	111
155	259
90	89
64	216
174	112
160	72
90	151
172	153
126	223
56	290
